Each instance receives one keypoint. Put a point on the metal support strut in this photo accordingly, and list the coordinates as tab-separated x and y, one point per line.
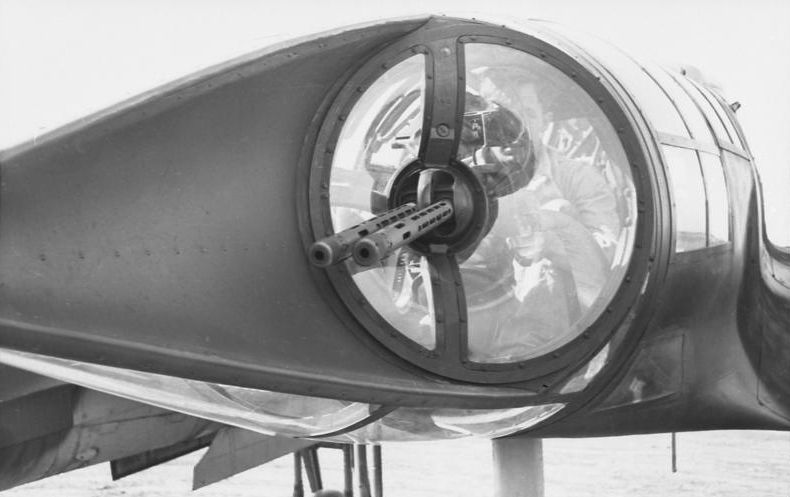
308	460
362	470
298	484
378	472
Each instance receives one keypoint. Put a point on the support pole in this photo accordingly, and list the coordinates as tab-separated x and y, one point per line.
298	485
362	470
348	468
378	472
518	467
312	467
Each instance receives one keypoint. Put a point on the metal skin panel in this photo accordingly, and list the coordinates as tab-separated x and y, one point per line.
164	237
35	415
94	428
169	236
234	450
15	383
764	310
130	465
735	325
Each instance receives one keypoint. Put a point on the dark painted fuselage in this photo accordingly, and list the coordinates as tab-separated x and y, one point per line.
169	235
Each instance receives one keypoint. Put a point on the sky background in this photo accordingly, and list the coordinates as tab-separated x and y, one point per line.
62	60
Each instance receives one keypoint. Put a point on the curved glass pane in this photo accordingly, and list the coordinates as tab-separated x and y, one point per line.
382	134
585	375
723	116
718	202
710	115
655	104
558	248
257	410
422	424
688	197
691	114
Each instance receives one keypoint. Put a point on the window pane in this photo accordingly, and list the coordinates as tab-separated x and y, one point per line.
382	134
718	205
653	101
717	106
563	235
691	114
252	409
411	424
710	114
688	197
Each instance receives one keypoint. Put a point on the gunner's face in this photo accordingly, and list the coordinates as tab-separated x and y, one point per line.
520	97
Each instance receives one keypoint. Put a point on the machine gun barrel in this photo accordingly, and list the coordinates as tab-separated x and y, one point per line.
335	248
383	242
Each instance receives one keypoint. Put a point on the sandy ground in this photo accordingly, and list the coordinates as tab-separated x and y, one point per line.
731	464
